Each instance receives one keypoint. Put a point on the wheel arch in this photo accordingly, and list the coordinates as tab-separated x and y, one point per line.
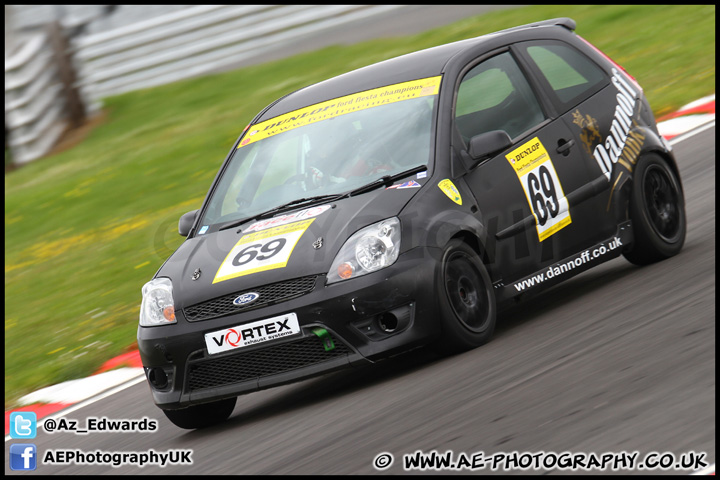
471	240
653	144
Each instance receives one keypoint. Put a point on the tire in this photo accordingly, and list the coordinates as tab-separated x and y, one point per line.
467	300
657	211
203	415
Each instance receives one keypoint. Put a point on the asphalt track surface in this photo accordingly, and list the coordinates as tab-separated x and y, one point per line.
617	359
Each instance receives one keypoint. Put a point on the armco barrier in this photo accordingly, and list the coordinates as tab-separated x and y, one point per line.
195	41
34	100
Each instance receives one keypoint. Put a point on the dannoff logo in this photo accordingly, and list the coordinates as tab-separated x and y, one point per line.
607	154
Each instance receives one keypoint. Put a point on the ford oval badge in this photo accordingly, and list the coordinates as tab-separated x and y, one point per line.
246	298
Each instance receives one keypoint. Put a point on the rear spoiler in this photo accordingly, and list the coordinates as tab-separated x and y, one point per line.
566	22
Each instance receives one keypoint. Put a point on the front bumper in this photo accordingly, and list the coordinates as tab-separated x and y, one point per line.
367	318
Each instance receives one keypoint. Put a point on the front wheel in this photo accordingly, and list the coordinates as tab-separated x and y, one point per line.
467	300
657	211
203	415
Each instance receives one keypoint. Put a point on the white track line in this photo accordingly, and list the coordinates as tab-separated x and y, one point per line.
685	136
89	401
75	391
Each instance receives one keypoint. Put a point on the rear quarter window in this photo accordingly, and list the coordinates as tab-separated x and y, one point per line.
570	74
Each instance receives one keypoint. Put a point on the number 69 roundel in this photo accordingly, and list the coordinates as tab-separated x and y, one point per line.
261	251
542	187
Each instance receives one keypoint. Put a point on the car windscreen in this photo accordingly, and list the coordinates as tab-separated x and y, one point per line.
328	148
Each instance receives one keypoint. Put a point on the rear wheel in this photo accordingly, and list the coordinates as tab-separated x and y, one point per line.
203	415
467	301
657	211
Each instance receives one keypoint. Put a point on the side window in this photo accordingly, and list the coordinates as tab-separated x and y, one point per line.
568	72
495	95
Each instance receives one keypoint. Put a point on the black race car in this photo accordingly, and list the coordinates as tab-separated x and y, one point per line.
402	204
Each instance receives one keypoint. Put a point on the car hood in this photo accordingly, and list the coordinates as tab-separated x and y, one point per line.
211	255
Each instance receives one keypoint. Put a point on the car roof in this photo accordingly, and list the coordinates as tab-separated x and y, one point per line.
412	66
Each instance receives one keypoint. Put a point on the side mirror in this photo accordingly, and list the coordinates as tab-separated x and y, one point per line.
186	222
488	143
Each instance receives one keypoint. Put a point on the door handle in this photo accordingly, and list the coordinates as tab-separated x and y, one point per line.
564	146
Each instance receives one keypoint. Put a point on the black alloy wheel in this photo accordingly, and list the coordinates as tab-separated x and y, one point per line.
657	211
467	300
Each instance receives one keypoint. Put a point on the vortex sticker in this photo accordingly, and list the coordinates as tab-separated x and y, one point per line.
252	333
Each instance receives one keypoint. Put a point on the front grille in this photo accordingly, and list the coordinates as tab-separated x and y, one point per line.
209	373
269	294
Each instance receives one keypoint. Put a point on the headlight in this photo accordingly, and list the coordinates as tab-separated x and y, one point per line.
158	307
368	250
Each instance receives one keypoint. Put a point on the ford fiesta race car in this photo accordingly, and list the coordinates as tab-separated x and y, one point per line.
401	205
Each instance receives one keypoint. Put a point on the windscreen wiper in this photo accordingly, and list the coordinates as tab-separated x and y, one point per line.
387	180
284	206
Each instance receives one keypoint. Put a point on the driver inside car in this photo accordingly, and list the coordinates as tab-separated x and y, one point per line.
332	163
